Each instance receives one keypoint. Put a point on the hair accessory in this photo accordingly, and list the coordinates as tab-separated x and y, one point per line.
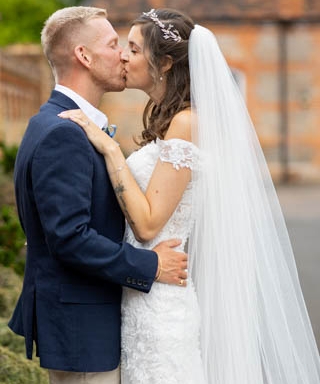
168	32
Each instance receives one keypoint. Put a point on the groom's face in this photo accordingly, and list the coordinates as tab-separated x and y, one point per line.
106	69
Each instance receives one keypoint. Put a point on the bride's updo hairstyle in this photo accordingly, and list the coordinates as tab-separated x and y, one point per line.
166	33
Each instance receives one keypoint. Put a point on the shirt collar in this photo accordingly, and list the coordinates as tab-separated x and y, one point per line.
98	117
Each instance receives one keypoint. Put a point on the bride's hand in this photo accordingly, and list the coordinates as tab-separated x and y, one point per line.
99	139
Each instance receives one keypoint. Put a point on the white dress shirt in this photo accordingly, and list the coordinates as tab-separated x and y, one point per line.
98	117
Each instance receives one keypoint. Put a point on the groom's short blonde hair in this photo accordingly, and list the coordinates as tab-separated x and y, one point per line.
61	31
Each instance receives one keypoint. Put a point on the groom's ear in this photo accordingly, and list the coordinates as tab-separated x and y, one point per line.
83	55
166	64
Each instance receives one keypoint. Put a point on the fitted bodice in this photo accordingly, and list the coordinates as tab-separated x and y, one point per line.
180	154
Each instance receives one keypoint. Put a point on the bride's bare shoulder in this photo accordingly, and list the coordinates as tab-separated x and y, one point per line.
180	126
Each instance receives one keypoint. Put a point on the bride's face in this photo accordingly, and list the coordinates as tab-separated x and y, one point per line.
136	62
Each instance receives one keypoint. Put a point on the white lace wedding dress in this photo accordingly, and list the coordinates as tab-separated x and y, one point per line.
160	330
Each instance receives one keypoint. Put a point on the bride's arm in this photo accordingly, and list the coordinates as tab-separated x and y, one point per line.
146	213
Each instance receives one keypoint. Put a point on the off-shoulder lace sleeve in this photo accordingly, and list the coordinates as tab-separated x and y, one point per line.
181	153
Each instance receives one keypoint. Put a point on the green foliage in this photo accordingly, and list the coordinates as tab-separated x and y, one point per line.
12	240
6	189
10	340
21	21
15	369
8	156
10	288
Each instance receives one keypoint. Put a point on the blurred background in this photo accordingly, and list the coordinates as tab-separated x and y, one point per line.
272	47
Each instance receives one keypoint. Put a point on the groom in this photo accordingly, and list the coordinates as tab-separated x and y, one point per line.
76	261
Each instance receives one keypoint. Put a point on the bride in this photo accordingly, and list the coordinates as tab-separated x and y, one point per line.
200	175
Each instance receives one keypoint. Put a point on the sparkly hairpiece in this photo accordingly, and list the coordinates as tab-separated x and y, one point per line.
167	32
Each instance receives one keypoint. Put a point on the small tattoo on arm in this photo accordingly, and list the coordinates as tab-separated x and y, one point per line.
119	189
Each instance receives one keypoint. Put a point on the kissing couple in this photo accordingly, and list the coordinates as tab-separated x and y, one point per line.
102	293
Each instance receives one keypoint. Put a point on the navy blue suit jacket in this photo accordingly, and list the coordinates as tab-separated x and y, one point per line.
76	260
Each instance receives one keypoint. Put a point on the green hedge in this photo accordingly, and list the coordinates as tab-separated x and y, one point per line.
8	156
15	369
12	240
10	340
10	288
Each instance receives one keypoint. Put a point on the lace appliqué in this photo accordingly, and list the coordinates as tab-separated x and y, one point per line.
181	153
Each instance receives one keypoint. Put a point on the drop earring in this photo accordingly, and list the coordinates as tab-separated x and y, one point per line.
161	78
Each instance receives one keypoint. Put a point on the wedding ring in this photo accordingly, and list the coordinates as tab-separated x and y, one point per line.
181	282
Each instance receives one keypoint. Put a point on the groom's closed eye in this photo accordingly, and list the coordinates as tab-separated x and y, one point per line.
114	44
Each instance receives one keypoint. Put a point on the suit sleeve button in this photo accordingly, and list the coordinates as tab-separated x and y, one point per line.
145	284
134	281
139	282
129	280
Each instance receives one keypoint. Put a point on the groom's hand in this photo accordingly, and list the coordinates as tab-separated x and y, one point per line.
172	265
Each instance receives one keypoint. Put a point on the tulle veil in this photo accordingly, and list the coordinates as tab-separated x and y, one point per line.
255	328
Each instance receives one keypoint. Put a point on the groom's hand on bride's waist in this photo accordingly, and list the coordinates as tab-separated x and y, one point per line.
172	264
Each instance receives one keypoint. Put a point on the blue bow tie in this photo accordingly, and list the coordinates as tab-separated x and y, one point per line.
110	130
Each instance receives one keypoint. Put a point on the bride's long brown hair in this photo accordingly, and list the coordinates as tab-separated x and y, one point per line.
157	117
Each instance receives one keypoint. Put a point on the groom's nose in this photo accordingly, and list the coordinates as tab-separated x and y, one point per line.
124	54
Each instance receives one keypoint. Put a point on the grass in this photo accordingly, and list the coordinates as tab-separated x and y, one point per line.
15	369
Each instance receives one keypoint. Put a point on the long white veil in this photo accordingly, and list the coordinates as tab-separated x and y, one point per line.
255	328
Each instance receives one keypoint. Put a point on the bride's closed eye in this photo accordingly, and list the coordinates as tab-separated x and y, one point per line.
133	48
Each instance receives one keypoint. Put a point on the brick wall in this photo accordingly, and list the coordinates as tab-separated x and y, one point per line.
124	11
304	99
25	82
255	50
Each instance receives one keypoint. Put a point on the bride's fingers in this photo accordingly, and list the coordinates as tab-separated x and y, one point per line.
75	115
74	112
82	120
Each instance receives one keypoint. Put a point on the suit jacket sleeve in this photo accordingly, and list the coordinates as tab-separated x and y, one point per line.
62	171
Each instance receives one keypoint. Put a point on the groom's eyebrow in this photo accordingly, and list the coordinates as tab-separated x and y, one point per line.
114	40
